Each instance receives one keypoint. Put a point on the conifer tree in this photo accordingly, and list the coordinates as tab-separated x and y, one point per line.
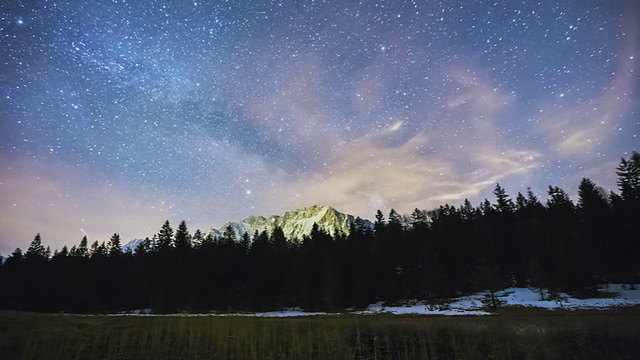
165	237
380	223
99	250
182	237
629	178
16	256
197	239
419	219
82	251
467	212
504	205
36	250
395	222
245	242
229	235
144	247
115	247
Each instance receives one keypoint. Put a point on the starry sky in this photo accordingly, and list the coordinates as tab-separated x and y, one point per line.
116	115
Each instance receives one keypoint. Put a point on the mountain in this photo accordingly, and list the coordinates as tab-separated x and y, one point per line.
132	245
295	224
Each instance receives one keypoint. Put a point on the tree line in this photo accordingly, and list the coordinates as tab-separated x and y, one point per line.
448	251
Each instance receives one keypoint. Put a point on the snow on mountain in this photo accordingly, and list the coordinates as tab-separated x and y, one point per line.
295	224
132	245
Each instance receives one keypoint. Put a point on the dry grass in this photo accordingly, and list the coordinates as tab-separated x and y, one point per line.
512	334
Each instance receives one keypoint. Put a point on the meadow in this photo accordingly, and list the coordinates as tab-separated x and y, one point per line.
512	333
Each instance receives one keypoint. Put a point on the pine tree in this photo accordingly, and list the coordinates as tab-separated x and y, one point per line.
380	223
182	237
521	202
419	219
278	240
504	205
395	222
209	240
629	178
36	250
467	212
485	207
16	257
198	238
144	247
82	251
115	247
98	250
245	242
165	237
229	235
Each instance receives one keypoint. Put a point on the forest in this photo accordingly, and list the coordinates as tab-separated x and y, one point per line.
551	244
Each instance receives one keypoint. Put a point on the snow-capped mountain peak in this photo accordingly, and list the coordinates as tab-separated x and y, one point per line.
295	224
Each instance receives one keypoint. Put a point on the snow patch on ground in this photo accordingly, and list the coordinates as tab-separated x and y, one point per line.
621	295
475	304
288	313
420	308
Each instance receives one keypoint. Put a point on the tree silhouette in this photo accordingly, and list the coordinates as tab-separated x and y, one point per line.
165	237
115	246
36	251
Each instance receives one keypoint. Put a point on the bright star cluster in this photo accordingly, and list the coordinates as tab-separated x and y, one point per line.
116	115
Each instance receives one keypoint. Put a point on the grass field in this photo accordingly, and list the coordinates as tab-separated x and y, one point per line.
511	334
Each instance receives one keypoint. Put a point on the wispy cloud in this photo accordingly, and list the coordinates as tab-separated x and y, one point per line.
368	175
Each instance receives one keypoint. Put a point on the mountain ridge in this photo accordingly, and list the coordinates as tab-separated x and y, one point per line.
295	224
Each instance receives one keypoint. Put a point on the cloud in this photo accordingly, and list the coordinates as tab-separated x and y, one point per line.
368	175
410	163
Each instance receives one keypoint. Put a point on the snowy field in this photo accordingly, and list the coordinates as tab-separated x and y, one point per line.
473	304
621	295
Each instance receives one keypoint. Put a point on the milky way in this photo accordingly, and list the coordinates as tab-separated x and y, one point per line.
118	115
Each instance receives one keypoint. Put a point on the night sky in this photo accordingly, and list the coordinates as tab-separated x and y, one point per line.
118	115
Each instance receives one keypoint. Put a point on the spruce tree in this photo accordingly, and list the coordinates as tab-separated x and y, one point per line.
380	223
82	251
504	205
229	235
629	179
115	247
419	219
395	222
182	237
245	242
197	239
165	237
36	250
